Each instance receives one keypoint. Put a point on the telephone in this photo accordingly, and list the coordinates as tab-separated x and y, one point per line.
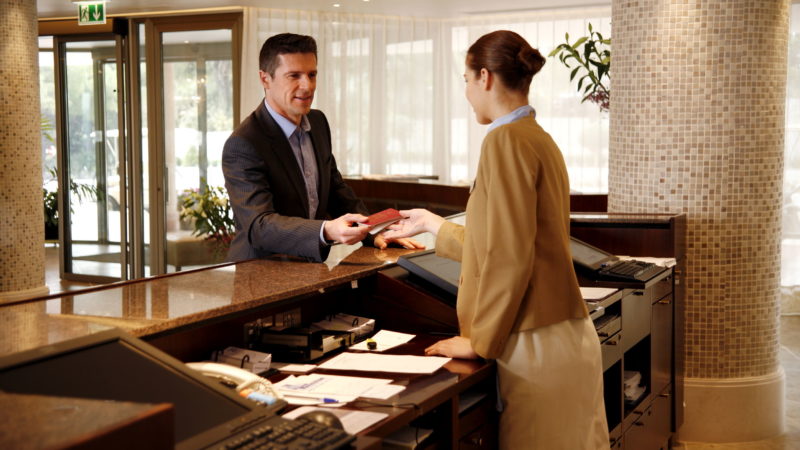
246	383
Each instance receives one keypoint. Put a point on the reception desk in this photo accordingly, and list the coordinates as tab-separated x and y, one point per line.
191	314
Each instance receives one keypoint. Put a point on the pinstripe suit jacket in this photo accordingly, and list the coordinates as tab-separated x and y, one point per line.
268	195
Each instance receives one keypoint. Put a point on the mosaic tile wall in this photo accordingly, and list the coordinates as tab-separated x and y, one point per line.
697	123
22	211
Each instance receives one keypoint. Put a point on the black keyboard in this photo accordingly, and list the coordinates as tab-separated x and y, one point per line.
278	433
631	270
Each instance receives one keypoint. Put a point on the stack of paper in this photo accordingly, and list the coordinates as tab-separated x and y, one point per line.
631	386
333	390
359	326
256	362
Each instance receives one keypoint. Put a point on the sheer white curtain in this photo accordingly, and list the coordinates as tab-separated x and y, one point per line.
790	264
393	89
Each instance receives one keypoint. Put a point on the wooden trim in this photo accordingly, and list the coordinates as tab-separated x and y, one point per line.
70	27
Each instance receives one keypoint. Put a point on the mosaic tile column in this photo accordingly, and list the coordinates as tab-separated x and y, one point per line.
697	127
21	205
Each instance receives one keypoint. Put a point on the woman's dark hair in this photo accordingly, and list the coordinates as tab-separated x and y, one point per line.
507	55
281	44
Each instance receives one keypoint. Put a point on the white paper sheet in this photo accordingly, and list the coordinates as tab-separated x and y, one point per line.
593	294
326	388
384	392
301	368
373	362
353	421
385	340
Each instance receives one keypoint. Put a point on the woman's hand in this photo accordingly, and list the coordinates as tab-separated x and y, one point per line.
381	242
455	347
415	221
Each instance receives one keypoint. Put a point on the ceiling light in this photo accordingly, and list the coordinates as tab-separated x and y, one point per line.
336	5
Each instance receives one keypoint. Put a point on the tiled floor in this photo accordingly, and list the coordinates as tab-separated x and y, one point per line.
790	359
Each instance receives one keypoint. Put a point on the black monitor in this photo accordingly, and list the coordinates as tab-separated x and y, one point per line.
441	272
588	256
113	365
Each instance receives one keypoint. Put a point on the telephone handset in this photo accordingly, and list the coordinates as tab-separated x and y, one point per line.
246	383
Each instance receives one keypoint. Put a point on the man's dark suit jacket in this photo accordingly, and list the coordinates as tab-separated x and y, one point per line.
268	194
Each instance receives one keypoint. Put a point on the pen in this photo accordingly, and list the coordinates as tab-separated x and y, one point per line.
319	399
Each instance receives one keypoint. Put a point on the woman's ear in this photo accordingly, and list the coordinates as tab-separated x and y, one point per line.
486	79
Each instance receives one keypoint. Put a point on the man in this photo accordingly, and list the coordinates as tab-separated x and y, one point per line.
279	170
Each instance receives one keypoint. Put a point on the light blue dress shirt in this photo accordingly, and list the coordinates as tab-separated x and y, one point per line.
300	141
513	116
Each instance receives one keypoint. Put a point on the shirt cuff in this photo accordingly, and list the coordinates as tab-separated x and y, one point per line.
322	234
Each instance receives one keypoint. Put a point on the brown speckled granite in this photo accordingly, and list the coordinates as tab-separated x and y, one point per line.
36	421
149	306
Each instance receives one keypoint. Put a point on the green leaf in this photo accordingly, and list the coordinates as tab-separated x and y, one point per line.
553	53
590	27
580	82
579	42
574	71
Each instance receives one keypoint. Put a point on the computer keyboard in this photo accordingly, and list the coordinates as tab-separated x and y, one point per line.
278	433
631	270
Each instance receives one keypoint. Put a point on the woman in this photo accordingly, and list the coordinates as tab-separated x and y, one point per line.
518	298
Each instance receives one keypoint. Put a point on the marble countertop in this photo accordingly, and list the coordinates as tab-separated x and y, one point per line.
152	305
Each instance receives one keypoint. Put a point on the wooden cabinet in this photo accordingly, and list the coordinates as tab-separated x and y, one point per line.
651	336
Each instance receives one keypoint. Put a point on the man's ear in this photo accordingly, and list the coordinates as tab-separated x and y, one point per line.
265	79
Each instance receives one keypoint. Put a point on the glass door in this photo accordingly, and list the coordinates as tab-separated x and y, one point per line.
91	158
193	108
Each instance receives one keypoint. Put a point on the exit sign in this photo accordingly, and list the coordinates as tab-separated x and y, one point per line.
91	13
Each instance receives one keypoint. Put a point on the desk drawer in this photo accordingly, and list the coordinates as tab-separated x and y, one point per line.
611	350
661	289
636	310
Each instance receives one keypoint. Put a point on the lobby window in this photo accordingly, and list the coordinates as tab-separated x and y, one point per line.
790	264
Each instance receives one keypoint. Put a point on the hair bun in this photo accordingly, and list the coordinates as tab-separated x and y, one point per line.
531	61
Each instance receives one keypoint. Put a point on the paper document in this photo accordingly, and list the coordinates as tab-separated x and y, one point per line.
374	362
287	367
359	326
384	392
353	421
256	362
326	388
385	340
663	262
593	294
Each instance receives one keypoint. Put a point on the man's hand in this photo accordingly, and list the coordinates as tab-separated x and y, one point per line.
342	229
415	221
455	347
382	242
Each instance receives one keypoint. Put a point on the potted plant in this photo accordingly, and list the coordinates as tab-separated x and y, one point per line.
81	191
590	56
210	213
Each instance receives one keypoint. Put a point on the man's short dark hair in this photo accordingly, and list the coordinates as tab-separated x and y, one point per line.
281	44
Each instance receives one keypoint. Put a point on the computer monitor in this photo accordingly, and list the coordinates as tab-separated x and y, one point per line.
113	365
442	272
589	257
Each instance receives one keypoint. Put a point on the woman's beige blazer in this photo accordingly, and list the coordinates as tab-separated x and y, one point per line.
516	267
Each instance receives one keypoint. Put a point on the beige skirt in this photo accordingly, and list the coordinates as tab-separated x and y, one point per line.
551	386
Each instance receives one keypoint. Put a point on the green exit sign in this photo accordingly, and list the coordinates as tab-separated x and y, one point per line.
91	13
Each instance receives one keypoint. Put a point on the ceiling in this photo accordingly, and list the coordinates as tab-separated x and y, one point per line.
415	8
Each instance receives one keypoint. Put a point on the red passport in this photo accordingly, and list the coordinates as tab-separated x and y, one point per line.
381	220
